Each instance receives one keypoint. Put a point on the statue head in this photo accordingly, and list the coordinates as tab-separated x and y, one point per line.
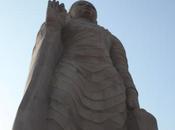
83	9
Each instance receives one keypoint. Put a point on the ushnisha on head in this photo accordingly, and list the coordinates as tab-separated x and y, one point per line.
83	9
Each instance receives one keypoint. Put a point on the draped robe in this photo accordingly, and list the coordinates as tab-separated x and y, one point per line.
78	77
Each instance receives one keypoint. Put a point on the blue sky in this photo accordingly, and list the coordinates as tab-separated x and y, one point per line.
145	27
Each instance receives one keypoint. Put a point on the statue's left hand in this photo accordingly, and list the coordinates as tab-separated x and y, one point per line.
132	101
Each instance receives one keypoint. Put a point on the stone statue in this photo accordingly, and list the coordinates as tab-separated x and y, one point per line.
79	78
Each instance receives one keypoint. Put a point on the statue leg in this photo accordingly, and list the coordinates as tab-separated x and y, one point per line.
53	125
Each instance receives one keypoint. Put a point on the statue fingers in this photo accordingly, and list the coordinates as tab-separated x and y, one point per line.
54	3
49	4
62	7
57	4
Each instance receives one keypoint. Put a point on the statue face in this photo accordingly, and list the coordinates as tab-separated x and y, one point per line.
83	9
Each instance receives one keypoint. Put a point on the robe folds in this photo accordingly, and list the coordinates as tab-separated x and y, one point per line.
78	78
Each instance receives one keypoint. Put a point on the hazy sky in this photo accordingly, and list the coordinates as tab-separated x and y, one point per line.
145	27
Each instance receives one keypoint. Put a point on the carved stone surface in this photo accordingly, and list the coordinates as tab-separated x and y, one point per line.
141	120
79	78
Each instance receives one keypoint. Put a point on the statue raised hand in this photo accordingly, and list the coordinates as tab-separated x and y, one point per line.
56	13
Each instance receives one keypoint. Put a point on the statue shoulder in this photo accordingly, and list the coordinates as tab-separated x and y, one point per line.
115	41
109	33
112	37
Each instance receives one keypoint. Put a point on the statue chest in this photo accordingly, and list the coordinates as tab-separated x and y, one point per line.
86	36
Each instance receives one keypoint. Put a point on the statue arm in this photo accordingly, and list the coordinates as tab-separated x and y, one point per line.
48	47
119	59
47	50
46	55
